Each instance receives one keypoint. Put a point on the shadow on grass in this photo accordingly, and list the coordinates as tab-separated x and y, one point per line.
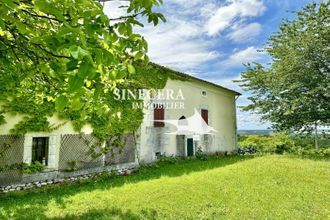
111	214
32	204
39	212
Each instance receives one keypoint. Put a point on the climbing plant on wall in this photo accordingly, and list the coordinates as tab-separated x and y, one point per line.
66	58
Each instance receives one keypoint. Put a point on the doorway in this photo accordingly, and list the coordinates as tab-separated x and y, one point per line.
190	147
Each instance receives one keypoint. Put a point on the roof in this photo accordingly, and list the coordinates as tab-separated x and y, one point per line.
195	78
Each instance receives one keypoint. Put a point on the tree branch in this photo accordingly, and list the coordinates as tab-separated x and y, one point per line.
41	16
49	52
126	17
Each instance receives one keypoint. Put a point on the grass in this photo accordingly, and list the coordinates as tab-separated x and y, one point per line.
268	187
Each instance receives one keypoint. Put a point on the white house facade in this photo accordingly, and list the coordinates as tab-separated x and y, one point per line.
155	137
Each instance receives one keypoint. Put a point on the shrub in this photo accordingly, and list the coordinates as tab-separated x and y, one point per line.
168	159
72	166
280	143
277	143
200	155
307	141
311	152
32	168
220	153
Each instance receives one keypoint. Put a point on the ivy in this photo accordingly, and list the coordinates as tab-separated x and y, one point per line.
107	116
65	58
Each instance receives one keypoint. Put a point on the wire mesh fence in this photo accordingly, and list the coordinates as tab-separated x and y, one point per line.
76	152
84	151
11	156
126	154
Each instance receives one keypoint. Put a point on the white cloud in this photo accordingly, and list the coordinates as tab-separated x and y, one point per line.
231	12
185	3
250	121
243	33
228	83
178	44
186	41
115	9
250	54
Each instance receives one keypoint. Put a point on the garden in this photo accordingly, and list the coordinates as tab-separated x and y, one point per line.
212	187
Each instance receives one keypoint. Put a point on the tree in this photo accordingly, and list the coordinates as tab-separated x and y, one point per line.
293	91
66	57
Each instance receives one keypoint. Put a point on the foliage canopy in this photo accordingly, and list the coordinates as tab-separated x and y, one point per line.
66	57
293	92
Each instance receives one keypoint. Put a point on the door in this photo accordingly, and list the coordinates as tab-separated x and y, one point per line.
190	147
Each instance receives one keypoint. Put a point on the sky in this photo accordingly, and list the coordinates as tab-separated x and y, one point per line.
212	39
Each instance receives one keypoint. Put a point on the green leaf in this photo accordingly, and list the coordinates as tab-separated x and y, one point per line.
72	65
155	20
122	29
121	74
23	29
113	75
75	83
61	102
138	55
131	69
9	3
134	21
162	17
2	24
76	104
86	70
56	66
78	52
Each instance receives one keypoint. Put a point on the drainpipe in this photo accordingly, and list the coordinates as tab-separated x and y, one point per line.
235	118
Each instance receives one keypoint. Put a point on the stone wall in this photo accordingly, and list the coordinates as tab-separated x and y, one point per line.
55	177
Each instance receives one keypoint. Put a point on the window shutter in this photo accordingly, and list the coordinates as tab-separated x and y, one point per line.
159	113
205	115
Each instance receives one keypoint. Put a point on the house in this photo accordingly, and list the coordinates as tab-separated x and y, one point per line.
205	111
216	105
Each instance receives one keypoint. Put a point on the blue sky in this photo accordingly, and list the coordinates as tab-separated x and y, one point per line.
211	39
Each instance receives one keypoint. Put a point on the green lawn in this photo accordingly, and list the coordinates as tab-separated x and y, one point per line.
268	187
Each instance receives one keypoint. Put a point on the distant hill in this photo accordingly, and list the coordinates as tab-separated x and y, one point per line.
266	131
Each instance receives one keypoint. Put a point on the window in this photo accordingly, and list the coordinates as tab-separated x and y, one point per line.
204	93
205	115
183	121
40	150
159	113
158	155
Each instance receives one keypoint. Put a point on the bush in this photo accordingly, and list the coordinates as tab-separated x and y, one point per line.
281	143
168	159
307	141
277	143
311	152
32	168
72	166
200	154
